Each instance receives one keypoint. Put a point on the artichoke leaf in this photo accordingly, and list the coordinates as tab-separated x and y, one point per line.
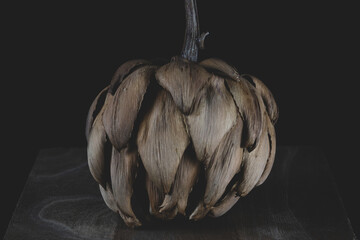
218	66
270	161
156	197
223	165
121	113
162	140
254	163
248	105
108	197
94	111
225	204
185	179
266	95
123	71
183	80
123	171
96	152
213	116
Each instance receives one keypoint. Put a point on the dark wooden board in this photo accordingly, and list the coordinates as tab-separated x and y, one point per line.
298	201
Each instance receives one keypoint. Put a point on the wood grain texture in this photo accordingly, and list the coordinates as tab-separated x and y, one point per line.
54	206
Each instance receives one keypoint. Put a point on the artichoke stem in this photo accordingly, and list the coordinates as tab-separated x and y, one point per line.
193	39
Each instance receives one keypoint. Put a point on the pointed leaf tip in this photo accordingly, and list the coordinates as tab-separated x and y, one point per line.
162	140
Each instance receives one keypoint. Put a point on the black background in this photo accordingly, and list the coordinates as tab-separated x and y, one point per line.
57	56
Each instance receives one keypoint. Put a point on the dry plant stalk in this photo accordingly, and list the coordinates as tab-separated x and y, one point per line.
195	136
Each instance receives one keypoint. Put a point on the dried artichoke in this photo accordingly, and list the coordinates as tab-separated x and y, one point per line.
179	129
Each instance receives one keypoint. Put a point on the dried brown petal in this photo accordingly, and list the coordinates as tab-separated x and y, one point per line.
123	71
94	111
214	114
108	197
123	171
248	105
218	66
225	205
270	162
95	151
156	197
185	178
184	80
266	95
254	164
129	220
223	165
162	140
121	113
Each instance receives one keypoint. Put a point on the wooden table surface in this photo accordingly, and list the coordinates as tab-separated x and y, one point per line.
298	201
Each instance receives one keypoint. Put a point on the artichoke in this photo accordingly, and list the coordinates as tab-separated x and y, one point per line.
193	136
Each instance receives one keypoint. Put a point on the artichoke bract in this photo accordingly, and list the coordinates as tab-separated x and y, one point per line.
194	136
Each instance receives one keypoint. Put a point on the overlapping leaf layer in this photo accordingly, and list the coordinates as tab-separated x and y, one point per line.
179	129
